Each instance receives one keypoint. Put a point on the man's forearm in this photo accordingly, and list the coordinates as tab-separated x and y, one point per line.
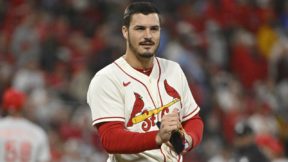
194	128
116	139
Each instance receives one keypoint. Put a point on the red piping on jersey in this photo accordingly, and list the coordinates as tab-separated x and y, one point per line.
158	87
191	112
137	81
107	118
163	155
158	81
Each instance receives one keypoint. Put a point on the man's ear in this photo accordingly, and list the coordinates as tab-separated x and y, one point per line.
125	32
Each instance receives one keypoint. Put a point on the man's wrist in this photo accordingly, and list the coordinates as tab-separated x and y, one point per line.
158	139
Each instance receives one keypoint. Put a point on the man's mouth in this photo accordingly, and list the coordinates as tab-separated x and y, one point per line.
146	43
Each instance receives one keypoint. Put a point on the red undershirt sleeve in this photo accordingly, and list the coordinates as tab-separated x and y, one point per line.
115	138
194	128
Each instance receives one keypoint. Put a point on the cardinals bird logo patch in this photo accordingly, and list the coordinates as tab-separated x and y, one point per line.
139	114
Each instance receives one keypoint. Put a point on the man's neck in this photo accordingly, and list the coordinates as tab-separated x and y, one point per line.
138	62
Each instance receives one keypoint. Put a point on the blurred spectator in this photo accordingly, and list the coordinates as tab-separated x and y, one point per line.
271	147
25	43
278	62
217	46
245	145
263	121
224	155
29	77
246	62
20	139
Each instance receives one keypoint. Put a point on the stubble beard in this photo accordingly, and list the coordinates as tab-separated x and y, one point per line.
144	55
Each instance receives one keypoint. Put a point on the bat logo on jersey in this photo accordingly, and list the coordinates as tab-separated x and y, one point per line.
145	115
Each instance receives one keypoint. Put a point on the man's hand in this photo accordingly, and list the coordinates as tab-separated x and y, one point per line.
171	126
169	123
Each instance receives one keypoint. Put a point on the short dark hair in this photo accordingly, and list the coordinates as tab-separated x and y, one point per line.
138	7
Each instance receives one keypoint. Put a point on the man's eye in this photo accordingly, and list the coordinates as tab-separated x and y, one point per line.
140	28
156	28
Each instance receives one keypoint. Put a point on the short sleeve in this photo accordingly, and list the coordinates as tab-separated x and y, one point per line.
189	107
105	100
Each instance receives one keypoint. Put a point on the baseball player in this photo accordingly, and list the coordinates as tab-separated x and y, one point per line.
20	139
139	102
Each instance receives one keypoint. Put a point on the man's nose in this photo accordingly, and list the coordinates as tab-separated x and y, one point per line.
148	33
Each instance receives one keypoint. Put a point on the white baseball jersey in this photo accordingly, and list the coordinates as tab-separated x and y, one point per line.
22	141
118	92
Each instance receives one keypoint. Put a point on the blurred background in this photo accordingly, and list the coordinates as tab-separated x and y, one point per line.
234	53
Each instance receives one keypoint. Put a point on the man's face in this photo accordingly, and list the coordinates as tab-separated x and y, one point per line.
143	35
